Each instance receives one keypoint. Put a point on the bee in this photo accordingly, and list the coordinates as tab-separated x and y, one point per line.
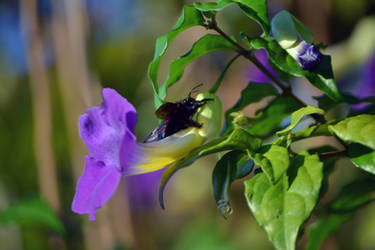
176	116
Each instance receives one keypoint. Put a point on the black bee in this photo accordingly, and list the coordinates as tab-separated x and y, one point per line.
176	117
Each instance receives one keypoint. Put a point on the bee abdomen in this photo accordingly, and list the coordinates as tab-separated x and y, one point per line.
158	133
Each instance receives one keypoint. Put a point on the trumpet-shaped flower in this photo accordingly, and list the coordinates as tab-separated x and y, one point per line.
108	132
296	39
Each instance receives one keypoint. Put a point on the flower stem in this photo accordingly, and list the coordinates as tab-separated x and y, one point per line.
286	90
333	154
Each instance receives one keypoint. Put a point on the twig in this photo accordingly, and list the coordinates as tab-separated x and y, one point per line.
333	154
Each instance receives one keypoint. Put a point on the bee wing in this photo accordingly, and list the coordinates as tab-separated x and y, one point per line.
166	110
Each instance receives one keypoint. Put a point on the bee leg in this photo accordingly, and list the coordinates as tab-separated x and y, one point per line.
195	124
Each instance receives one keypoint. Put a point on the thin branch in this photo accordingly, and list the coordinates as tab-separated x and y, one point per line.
333	154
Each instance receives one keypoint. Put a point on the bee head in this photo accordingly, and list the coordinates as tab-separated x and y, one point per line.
191	104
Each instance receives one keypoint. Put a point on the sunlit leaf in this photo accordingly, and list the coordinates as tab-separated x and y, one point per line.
189	17
231	166
298	115
274	161
282	208
359	129
207	44
254	92
256	10
363	157
31	212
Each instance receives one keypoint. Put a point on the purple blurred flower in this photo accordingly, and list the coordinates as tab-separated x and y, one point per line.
255	74
366	86
142	189
108	132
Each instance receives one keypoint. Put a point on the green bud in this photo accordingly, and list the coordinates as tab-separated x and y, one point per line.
210	115
288	31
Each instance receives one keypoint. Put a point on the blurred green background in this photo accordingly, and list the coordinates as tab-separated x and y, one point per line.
55	56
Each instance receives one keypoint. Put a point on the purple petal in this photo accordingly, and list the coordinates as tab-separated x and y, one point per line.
118	111
103	141
102	128
308	56
95	187
130	153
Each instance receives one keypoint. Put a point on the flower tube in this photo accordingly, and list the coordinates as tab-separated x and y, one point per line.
108	132
296	39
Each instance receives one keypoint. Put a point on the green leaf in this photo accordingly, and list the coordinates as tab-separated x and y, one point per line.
321	76
323	227
212	6
276	55
231	166
298	115
274	161
327	103
317	130
363	157
279	158
218	82
353	196
283	207
359	129
206	44
256	10
350	198
269	119
189	17
238	140
31	212
254	92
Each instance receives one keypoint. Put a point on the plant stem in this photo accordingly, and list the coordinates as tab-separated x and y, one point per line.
286	90
333	154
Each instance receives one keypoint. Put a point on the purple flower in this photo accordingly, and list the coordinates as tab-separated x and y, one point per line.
306	55
297	39
108	132
366	85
